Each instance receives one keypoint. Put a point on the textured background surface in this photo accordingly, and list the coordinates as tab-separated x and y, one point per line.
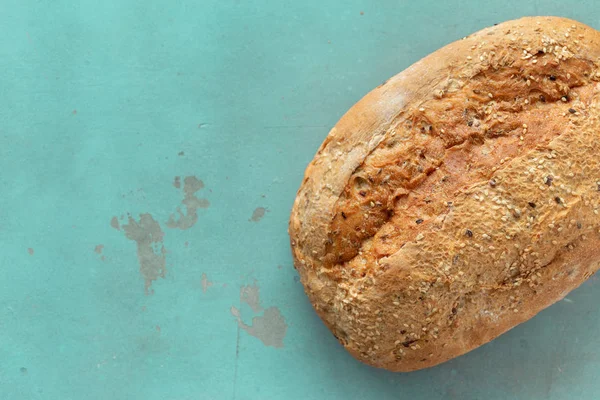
104	104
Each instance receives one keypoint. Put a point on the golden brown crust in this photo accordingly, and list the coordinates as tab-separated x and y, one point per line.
458	199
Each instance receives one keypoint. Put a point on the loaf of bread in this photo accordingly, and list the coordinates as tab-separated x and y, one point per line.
459	198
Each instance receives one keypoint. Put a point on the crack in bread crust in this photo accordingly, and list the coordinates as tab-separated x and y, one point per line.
472	121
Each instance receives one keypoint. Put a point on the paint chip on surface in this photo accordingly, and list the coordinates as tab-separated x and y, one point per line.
30	251
250	294
270	327
258	214
98	249
191	185
177	182
114	222
151	251
205	283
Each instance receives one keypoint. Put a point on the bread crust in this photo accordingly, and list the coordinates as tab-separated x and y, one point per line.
459	198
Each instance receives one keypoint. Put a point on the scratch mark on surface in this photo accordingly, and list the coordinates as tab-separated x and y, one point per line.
236	313
191	185
258	214
151	251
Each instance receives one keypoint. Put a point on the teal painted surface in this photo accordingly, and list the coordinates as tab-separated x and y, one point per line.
97	101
